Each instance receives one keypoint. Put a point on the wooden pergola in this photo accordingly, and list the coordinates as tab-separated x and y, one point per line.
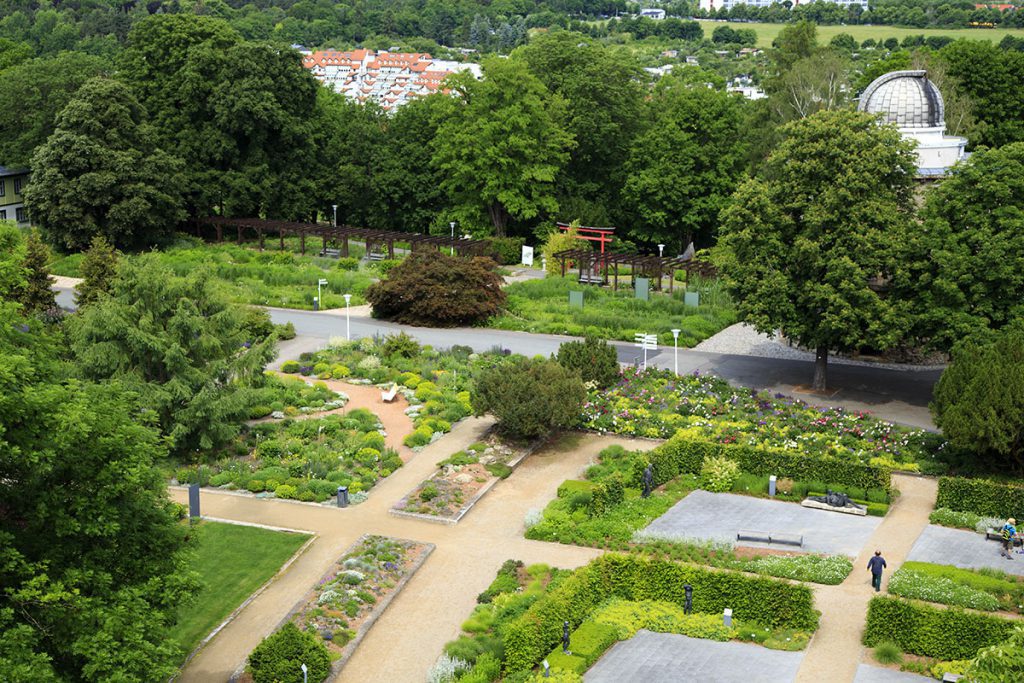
379	243
593	267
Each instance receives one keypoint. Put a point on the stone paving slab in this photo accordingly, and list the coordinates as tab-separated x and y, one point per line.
875	674
718	516
670	658
960	548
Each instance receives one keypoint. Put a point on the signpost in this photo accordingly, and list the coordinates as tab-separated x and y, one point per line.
647	342
319	283
675	349
528	256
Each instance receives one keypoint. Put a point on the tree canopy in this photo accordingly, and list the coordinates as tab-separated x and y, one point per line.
179	345
501	150
803	244
101	172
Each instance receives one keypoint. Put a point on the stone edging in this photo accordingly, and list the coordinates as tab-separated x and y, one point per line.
255	594
464	510
364	628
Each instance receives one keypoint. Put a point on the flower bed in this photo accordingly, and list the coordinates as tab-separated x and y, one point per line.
347	599
283	396
436	383
655	404
989	591
461	479
304	460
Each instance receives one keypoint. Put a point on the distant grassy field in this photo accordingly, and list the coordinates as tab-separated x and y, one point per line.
232	562
766	32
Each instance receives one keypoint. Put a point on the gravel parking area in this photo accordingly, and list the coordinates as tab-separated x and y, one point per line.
719	516
669	658
966	549
743	340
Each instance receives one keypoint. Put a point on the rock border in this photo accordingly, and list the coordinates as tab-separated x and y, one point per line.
379	608
468	505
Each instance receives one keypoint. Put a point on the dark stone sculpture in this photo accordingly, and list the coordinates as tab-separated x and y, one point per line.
836	499
688	602
647	481
565	638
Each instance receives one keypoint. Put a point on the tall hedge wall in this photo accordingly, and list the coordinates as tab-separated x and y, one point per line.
930	631
982	497
766	601
684	454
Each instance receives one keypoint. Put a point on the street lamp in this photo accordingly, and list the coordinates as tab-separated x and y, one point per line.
348	329
452	224
661	250
305	674
675	349
319	283
334	223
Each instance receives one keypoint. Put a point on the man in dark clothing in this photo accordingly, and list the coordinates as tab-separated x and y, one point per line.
876	564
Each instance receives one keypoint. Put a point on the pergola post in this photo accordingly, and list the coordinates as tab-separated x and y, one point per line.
259	232
302	242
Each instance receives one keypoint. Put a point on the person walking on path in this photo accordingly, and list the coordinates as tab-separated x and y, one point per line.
876	564
1008	533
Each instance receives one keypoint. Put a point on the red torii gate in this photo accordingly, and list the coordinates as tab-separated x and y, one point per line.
602	235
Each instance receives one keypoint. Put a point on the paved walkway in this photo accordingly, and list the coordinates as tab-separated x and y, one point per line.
836	650
968	549
431	608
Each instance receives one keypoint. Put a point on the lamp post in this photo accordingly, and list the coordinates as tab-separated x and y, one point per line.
319	283
334	222
452	224
675	350
305	674
348	329
661	250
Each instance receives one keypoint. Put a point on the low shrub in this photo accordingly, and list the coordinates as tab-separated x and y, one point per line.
888	653
957	666
347	263
529	397
982	497
831	570
594	359
930	631
717	474
290	367
626	617
285	331
275	658
507	251
587	643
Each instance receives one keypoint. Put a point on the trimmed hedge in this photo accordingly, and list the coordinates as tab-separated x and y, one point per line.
685	454
930	631
753	599
587	644
982	497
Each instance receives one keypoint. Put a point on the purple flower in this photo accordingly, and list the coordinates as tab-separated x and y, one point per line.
23	327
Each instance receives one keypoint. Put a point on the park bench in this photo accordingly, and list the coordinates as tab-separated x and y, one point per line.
767	537
389	395
951	677
594	279
375	255
331	253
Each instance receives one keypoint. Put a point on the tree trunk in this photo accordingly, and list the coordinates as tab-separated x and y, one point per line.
820	368
499	218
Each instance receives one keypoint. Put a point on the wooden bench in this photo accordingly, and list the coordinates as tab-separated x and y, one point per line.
375	256
591	279
389	396
331	253
768	537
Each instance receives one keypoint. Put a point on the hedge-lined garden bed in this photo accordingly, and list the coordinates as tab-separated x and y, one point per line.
946	634
982	497
767	602
989	591
290	396
519	619
654	403
304	460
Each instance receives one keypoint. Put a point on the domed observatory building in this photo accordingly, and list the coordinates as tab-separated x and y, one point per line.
914	104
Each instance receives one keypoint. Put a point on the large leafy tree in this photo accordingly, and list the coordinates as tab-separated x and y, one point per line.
998	663
530	397
979	400
502	148
33	93
179	345
101	172
991	78
683	168
91	555
964	266
603	100
805	244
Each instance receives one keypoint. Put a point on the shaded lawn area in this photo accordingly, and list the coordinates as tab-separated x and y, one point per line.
232	562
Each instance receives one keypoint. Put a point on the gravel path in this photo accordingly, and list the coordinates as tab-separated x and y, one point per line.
743	340
835	650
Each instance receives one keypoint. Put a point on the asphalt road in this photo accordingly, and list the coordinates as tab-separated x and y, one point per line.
898	395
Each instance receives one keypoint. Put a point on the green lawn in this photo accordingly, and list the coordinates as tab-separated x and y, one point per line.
232	561
766	32
542	306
